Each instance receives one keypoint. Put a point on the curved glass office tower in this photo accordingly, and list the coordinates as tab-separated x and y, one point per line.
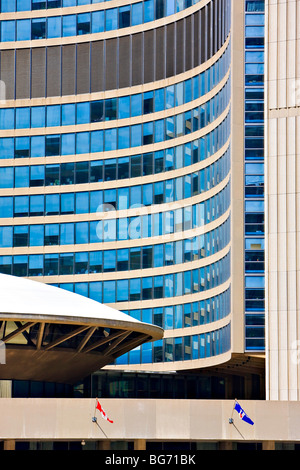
115	169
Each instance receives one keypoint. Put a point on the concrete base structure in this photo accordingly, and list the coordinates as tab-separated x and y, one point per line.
147	421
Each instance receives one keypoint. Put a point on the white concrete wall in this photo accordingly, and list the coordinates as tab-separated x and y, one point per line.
282	146
192	420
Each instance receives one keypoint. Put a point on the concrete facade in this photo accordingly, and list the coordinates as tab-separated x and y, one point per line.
147	420
282	146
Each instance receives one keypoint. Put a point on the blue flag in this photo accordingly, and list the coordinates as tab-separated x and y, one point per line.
242	413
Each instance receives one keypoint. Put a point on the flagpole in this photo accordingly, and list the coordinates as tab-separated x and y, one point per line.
94	419
231	419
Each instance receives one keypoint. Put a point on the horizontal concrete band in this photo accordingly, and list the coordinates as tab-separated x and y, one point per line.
51	419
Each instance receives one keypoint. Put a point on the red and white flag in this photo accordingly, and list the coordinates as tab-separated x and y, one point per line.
103	414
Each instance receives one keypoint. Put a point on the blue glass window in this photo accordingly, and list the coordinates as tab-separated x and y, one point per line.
136	105
109	260
67	234
96	201
23	30
255	31
38	4
111	19
6	206
53	115
179	94
22	5
159	133
7	6
147	194
124	16
82	288
158	287
123	228
123	137
97	141
22	177
54	3
110	173
38	118
111	109
6	177
8	31
22	118
109	292
147	133
35	265
82	232
124	107
82	203
68	144
52	145
7	118
21	208
254	56
254	206
137	13
159	99
67	203
36	235
38	146
82	142
136	135
37	205
254	69
69	3
170	97
83	113
135	289
147	288
22	145
122	260
95	291
54	27
97	21
6	236
38	28
123	199
148	102
69	25
255	282
51	234
68	114
187	91
148	10
195	85
83	23
110	139
52	204
66	261
255	19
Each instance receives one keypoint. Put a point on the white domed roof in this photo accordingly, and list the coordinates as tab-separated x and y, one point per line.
28	297
51	334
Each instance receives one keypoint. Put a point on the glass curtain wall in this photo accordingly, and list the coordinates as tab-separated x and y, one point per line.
254	174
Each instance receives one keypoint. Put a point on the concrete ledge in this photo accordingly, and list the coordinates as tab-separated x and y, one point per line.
189	420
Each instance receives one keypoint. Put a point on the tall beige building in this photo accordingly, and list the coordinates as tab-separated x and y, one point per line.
282	153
